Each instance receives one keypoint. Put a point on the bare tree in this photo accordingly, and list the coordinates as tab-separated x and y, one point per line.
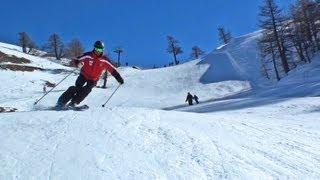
196	52
267	52
272	21
174	48
306	17
311	15
264	69
55	46
74	49
32	48
224	35
299	42
26	43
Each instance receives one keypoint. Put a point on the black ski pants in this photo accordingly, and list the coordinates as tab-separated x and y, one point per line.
78	92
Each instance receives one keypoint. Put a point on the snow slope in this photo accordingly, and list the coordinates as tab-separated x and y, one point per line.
130	143
238	60
167	87
35	60
300	83
235	133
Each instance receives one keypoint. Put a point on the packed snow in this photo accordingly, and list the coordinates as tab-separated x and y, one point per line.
242	128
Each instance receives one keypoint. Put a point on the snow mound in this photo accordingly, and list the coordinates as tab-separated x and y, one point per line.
238	60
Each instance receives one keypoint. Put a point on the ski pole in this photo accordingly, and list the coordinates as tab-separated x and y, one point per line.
103	105
54	87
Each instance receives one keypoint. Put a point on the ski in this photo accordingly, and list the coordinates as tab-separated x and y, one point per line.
75	108
66	108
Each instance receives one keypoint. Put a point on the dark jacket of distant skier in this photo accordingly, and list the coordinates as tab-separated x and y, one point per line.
195	97
189	99
93	64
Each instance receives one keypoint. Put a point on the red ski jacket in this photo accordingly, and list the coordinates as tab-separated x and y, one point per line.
94	65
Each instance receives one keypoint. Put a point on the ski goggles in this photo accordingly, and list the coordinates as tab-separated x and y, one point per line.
99	50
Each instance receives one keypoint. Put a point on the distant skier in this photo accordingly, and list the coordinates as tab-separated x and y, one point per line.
105	78
92	65
195	97
189	99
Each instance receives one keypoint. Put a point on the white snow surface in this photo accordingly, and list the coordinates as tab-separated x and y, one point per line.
240	130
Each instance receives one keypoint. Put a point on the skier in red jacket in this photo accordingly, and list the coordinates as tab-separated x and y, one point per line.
93	64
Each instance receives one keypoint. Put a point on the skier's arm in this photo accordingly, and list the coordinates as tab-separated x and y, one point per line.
74	63
118	77
77	62
113	71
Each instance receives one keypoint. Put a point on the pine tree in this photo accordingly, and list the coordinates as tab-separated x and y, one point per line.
306	14
174	48
224	35
272	21
297	37
196	52
267	52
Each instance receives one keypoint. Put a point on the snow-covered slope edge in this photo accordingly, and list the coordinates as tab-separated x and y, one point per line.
238	60
36	61
301	82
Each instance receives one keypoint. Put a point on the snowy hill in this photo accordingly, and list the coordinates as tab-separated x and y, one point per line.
13	50
238	60
239	131
167	88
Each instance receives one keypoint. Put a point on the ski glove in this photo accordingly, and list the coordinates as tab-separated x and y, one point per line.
121	81
76	63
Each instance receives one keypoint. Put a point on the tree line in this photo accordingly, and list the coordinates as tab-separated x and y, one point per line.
54	47
175	49
288	38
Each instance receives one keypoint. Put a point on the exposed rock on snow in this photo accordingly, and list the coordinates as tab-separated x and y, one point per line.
7	109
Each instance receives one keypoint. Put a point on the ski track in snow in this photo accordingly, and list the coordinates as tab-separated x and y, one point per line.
149	144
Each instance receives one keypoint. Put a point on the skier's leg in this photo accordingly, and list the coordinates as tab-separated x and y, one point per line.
81	80
66	96
83	93
71	92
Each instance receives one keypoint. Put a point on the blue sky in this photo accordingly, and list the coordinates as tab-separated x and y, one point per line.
139	26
